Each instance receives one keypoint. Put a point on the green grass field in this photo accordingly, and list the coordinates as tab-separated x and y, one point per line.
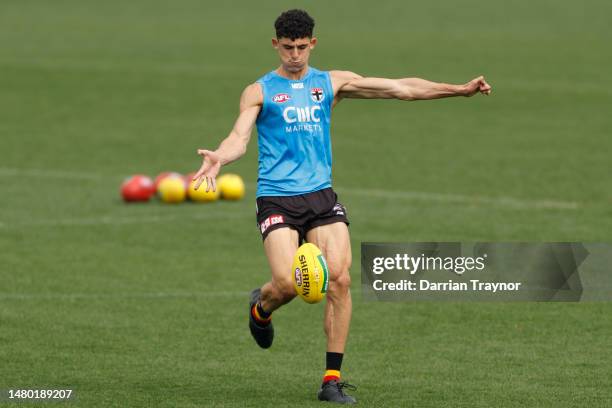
145	305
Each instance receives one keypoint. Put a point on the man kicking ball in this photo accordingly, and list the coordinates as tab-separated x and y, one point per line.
291	107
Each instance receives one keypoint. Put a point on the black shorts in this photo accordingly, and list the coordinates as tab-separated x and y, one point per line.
301	212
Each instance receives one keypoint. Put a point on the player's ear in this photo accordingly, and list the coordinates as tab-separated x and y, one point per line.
313	42
275	43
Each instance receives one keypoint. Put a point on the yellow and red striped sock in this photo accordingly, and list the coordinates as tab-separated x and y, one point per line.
257	315
333	362
331	375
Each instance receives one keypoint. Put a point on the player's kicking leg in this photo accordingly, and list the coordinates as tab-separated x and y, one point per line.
334	242
280	246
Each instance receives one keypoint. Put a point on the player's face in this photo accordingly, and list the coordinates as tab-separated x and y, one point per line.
294	54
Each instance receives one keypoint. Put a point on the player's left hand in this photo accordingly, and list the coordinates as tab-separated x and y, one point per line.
211	164
477	85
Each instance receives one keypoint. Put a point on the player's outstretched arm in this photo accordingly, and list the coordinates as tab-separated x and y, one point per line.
350	85
235	144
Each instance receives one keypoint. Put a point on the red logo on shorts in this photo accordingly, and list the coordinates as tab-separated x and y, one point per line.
281	98
271	220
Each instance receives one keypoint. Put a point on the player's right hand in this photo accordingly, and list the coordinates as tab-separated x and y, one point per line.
211	164
476	85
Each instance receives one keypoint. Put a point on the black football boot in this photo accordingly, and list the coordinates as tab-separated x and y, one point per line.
263	335
333	391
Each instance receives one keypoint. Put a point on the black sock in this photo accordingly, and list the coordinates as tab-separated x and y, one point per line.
333	361
333	364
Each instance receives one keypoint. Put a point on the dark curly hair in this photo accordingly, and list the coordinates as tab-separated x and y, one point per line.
294	24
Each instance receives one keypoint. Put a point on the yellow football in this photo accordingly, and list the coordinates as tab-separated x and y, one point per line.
310	273
171	189
231	187
200	194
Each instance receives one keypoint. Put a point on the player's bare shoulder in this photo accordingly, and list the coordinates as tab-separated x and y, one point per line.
339	79
252	96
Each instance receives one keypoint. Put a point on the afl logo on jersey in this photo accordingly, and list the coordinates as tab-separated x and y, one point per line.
317	94
281	98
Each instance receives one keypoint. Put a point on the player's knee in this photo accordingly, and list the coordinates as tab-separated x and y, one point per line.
347	264
339	273
339	285
339	289
343	281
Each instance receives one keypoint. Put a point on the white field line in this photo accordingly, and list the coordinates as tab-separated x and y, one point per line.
131	295
356	291
110	220
59	174
506	202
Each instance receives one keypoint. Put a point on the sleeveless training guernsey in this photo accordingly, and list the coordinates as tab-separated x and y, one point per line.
293	134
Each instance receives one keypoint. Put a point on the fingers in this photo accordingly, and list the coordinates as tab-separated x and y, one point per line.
208	171
478	80
198	183
198	176
211	184
199	173
483	87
